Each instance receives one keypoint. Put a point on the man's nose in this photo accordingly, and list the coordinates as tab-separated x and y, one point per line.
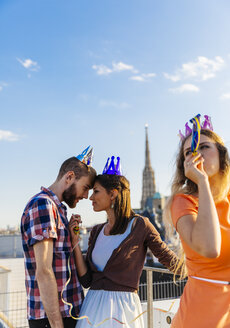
86	194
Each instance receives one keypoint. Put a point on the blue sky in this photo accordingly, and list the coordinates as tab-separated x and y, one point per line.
78	72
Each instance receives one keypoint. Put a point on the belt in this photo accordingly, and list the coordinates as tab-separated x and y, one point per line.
222	282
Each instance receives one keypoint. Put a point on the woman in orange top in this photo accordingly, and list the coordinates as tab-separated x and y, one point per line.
199	209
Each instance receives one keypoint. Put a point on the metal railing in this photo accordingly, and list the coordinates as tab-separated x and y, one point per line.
149	291
161	290
15	314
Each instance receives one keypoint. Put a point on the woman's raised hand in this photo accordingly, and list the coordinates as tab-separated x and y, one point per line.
194	169
74	228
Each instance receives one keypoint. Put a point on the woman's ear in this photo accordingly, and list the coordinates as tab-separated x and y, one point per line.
114	194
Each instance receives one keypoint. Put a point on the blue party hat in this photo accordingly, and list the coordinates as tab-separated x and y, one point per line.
86	156
112	168
106	167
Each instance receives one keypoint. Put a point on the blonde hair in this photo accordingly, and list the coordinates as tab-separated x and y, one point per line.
181	184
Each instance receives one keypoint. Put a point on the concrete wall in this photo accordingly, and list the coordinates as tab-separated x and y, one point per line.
11	246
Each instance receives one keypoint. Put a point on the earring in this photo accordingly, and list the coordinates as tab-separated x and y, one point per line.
112	205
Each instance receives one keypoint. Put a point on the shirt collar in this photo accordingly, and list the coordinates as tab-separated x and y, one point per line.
54	197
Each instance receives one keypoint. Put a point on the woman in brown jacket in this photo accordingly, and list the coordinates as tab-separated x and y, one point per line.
116	254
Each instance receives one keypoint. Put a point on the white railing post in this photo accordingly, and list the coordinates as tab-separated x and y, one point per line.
149	278
149	275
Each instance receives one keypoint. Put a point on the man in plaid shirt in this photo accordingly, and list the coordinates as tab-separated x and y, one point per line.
47	248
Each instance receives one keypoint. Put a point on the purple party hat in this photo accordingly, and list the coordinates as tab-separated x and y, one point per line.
206	125
112	168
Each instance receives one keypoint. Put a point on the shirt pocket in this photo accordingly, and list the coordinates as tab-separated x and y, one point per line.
63	242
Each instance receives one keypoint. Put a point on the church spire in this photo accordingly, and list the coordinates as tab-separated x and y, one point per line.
147	153
148	183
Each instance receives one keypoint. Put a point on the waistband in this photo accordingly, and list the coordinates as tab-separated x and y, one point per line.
221	282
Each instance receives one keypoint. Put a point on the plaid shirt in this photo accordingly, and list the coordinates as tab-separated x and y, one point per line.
45	217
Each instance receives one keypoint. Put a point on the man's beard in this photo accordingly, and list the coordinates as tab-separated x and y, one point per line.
70	195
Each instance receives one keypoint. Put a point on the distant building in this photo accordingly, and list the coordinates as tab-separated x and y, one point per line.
152	202
10	230
148	182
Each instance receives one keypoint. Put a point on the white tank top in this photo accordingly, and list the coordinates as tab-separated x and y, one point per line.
105	246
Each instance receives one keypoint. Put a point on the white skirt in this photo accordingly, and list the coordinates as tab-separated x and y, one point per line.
99	305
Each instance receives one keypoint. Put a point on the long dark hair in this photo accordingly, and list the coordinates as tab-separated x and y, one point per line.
122	206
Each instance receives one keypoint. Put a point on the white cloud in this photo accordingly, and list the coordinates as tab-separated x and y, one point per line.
225	96
116	67
112	104
2	85
143	77
173	78
137	78
200	70
185	88
29	64
102	69
8	136
119	67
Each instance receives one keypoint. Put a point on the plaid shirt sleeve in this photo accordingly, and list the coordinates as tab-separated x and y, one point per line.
41	221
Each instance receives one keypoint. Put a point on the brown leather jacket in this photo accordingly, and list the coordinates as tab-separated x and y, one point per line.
123	269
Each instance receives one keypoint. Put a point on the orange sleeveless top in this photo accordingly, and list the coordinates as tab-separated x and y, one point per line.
204	304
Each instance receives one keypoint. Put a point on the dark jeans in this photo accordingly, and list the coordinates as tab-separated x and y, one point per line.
44	323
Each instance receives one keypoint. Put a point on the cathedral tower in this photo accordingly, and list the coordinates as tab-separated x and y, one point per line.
148	183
